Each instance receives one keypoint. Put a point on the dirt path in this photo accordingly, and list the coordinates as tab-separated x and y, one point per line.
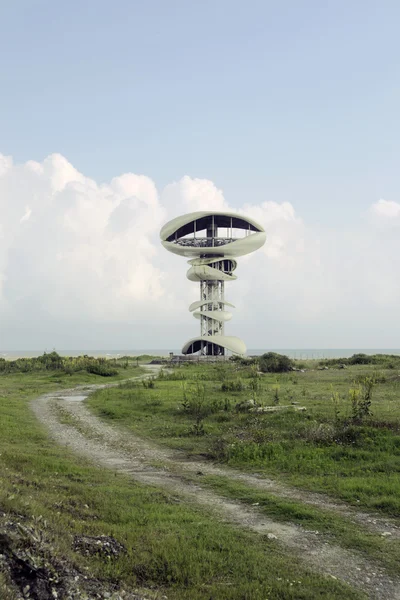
71	424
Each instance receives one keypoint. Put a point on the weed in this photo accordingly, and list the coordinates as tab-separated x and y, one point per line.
335	397
361	399
101	369
198	427
149	384
255	385
276	389
233	386
227	405
219	449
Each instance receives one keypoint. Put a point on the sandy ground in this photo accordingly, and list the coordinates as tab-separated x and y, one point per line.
124	452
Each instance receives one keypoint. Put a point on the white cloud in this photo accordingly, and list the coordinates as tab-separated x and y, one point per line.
81	264
386	209
190	195
5	164
26	215
79	248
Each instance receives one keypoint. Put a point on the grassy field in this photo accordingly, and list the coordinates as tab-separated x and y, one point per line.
49	498
345	443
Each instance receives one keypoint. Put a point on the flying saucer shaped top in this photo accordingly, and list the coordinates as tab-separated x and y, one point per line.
176	235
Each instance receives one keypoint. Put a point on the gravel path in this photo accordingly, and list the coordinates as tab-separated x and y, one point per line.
110	447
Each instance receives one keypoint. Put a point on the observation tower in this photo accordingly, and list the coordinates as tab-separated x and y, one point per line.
212	240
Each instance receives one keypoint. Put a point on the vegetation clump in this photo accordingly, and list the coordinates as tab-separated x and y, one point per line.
52	361
244	361
361	399
232	386
389	361
149	383
102	369
271	362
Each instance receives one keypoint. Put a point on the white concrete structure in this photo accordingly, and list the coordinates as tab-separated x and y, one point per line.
212	240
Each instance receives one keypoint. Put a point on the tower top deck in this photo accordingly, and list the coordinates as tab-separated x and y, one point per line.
212	233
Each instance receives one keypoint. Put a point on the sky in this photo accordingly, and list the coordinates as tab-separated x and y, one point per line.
118	116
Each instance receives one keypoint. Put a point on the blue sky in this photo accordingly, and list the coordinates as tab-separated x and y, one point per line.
291	108
285	101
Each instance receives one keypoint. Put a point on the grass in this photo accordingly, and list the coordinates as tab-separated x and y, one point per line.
323	449
171	547
343	530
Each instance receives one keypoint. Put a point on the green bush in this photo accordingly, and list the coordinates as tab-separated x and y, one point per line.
271	362
149	384
64	364
244	361
101	369
389	361
232	386
360	359
361	399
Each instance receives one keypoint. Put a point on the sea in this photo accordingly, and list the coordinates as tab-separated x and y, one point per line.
296	353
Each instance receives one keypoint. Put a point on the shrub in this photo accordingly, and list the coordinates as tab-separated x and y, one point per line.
243	361
219	449
360	359
361	399
198	427
389	361
271	362
66	364
232	386
101	369
276	394
51	361
149	383
320	433
175	375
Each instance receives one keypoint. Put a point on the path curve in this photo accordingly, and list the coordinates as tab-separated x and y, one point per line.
124	452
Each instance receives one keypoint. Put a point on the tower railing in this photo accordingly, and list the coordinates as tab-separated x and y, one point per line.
204	242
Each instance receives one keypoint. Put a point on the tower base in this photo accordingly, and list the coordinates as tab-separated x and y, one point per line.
215	345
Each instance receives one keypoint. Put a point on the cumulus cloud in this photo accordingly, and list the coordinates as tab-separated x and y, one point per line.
81	266
191	195
71	246
386	209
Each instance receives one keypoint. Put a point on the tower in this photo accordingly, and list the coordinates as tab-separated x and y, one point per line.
212	241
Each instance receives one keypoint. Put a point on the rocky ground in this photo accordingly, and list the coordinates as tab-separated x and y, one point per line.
28	561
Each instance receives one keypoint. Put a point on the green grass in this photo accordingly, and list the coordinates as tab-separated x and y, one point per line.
337	528
321	449
170	546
